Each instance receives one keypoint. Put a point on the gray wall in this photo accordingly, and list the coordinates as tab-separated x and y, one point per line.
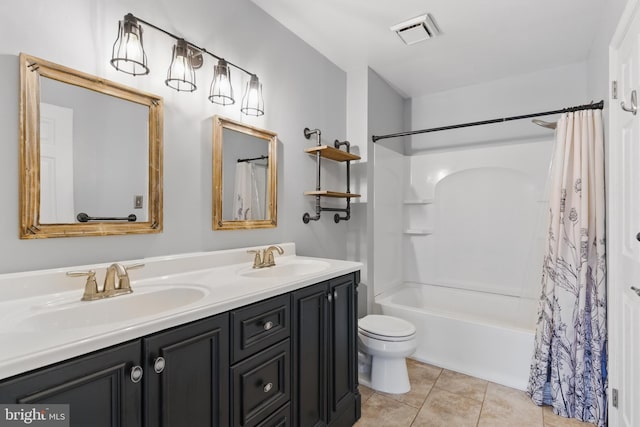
301	89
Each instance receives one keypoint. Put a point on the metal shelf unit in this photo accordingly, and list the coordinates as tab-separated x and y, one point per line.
336	154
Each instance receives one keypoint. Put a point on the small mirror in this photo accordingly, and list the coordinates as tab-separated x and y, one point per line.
90	156
244	176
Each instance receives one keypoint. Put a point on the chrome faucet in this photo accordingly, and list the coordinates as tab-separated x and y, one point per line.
111	287
267	259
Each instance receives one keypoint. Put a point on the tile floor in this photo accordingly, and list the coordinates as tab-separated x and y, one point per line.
443	398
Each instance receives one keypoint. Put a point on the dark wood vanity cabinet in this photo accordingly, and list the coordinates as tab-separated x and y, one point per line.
187	375
288	361
99	387
325	354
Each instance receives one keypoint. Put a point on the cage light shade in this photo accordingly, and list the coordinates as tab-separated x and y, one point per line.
128	53
221	90
252	102
181	75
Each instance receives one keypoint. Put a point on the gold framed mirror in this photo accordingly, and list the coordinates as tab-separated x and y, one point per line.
245	175
90	154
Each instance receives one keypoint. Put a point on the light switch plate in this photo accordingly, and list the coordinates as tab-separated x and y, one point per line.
138	202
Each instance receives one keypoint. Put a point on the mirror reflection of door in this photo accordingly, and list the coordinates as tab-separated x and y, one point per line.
245	176
56	164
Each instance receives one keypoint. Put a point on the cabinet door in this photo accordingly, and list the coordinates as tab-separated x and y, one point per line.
192	388
97	387
343	395
342	346
310	331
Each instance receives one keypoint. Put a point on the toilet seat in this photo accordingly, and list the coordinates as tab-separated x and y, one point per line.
386	328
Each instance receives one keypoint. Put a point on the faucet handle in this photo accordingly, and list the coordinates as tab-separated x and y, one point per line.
257	261
125	281
133	266
90	286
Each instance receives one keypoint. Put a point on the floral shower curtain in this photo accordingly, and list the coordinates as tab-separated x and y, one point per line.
568	370
246	197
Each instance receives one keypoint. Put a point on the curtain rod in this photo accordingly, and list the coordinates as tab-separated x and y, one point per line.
592	106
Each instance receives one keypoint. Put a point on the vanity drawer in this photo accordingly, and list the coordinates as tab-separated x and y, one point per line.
282	418
260	385
259	326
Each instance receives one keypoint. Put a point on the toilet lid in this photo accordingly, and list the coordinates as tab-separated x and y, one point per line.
386	326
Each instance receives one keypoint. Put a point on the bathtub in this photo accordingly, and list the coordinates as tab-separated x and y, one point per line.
489	336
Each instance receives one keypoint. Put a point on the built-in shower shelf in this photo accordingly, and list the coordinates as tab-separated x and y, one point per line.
418	202
334	194
417	232
332	153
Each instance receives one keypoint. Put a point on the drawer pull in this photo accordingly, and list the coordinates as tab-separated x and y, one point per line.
158	364
136	374
268	325
267	387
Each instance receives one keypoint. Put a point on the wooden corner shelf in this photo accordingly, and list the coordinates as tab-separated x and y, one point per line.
334	194
332	153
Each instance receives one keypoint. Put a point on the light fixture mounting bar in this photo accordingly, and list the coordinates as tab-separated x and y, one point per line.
190	44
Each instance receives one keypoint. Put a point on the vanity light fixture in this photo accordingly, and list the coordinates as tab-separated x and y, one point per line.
128	53
221	90
128	56
181	75
252	102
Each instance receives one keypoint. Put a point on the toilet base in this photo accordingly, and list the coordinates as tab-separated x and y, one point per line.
390	375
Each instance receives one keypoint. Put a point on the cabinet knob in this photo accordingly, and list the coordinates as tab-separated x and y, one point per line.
268	325
267	387
329	297
158	364
335	294
136	374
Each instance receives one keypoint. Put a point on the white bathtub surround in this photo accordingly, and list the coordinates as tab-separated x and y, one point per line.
571	333
489	336
471	251
35	331
385	342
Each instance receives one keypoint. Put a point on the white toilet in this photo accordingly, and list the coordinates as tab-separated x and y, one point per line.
385	342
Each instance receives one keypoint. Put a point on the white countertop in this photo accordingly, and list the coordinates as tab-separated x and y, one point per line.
217	275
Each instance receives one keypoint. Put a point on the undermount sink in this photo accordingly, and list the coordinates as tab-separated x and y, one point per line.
292	268
75	314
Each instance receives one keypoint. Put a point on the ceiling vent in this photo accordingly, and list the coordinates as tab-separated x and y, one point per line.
417	29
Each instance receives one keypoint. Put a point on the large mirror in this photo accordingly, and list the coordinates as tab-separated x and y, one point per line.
90	154
244	176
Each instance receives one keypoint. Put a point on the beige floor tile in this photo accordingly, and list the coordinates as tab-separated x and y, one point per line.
553	420
365	392
445	409
422	378
381	411
461	384
507	407
424	369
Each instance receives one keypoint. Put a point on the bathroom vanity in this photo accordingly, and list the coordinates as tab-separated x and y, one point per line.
259	347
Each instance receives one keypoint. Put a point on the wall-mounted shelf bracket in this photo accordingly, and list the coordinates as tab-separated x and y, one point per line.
336	154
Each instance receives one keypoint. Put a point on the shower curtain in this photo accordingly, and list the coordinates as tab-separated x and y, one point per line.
568	370
246	197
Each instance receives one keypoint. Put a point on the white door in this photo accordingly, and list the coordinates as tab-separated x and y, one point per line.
56	164
624	226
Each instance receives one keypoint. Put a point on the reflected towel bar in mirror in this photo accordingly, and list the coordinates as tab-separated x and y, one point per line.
253	158
83	217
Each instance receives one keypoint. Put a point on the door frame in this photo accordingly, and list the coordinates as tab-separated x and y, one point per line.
614	287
